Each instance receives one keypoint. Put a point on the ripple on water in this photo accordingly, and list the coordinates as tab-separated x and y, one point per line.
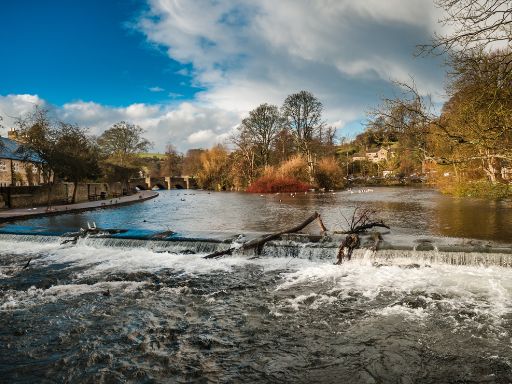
135	315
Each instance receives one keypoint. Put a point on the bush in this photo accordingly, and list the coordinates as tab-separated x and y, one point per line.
329	174
274	184
480	189
294	168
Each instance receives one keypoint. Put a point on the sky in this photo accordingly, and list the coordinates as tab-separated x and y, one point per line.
188	71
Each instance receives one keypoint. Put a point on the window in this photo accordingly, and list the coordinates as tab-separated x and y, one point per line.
16	166
3	166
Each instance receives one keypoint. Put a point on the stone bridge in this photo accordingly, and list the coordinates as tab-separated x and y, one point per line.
166	182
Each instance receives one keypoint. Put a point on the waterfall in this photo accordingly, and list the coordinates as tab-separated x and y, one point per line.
457	254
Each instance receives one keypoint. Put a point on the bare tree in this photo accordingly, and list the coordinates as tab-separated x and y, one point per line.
261	129
245	154
475	27
303	113
173	161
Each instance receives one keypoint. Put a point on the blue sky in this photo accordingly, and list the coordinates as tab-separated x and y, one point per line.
188	71
85	50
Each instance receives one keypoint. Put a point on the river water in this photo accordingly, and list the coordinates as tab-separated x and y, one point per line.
95	313
412	211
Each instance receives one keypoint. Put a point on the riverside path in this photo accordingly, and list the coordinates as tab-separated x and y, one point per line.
26	213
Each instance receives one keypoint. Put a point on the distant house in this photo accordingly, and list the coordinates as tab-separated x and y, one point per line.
377	154
358	157
18	168
506	173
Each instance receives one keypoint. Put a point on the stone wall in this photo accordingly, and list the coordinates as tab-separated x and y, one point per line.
62	193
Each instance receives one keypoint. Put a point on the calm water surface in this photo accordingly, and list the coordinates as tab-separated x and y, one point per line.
417	211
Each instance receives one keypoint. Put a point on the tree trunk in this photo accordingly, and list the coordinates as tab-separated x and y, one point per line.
73	199
259	243
311	166
50	188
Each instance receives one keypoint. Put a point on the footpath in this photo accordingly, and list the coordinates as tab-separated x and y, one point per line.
26	213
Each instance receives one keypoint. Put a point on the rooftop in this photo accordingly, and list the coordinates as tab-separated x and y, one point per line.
10	149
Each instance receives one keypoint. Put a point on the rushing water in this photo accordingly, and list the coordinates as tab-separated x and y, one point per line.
104	314
94	312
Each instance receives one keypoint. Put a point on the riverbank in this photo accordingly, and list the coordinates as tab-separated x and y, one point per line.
27	213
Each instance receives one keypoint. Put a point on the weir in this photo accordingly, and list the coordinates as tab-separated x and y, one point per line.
396	250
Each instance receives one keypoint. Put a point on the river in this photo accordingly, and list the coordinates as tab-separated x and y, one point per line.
95	313
413	211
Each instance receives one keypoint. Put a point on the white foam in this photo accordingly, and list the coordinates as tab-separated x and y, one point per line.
38	296
488	290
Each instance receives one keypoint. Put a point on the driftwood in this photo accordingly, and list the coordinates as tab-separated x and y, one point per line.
260	242
377	238
347	246
321	224
361	221
363	228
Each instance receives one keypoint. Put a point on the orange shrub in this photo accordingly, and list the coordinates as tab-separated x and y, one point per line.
329	174
295	168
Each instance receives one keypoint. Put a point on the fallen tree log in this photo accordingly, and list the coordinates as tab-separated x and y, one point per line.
361	221
347	246
362	228
260	242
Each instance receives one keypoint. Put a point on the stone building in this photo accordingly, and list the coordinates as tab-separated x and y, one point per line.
377	154
374	155
18	168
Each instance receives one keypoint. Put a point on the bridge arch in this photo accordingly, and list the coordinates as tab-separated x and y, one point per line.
159	185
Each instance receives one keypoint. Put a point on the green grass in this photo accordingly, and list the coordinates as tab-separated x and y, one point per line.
150	155
480	189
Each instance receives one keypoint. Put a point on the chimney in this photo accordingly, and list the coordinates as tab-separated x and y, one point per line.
13	134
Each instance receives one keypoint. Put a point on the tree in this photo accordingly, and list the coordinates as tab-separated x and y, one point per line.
284	146
192	162
406	119
123	140
303	113
173	161
475	29
479	114
475	25
245	157
261	129
77	155
215	169
65	150
39	139
119	147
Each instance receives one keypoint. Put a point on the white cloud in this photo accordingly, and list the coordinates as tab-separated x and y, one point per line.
184	125
243	53
346	52
14	106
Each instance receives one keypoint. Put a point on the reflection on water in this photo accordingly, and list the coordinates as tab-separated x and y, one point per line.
407	210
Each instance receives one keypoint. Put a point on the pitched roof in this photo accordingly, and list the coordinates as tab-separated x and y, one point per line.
10	149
